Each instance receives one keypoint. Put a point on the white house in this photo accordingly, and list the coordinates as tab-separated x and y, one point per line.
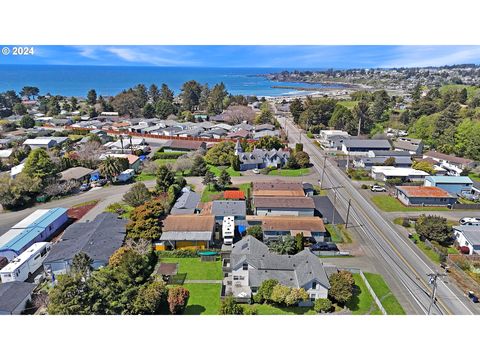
251	263
332	139
384	173
469	236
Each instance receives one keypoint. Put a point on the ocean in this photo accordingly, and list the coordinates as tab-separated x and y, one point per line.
109	80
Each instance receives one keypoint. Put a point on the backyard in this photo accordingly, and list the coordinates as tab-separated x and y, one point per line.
210	193
390	204
196	269
204	299
216	170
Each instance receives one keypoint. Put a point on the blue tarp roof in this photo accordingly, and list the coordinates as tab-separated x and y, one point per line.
33	230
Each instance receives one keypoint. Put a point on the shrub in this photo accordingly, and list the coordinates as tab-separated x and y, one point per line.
341	286
180	253
322	305
464	250
364	186
265	290
405	222
250	310
280	293
266	170
230	307
463	263
177	299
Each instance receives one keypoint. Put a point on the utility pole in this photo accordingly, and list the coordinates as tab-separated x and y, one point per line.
323	171
348	212
433	281
334	203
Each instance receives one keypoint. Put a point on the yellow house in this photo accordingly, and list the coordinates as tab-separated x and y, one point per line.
193	232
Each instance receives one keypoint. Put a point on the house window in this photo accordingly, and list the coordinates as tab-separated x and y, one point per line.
312	296
314	285
245	266
235	278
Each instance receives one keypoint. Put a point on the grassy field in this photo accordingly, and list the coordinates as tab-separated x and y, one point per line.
196	269
381	289
289	172
204	299
216	170
210	194
267	309
389	204
474	177
362	302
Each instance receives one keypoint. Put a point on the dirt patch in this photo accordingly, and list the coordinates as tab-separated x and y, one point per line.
78	211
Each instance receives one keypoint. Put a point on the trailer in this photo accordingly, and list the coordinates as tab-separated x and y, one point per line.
24	265
126	175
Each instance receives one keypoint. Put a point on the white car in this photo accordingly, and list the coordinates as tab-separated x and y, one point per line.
470	221
256	171
377	188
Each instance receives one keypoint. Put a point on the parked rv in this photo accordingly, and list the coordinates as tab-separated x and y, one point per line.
24	265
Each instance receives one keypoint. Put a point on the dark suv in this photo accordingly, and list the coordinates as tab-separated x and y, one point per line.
324	246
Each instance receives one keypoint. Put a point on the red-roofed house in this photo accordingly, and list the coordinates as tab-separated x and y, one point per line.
423	196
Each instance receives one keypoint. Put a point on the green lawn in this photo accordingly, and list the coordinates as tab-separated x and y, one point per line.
267	309
216	170
432	255
290	172
389	204
204	299
381	289
196	269
113	207
210	193
338	233
362	302
474	177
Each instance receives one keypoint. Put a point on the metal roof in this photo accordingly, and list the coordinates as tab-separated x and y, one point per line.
284	202
229	208
471	233
449	179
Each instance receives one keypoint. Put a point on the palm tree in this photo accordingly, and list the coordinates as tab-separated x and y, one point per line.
109	168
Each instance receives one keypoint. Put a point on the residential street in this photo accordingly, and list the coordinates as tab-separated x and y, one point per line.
404	267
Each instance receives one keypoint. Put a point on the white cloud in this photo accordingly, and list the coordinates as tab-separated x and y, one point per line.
159	56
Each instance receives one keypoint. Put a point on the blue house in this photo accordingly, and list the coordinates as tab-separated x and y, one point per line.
38	226
455	185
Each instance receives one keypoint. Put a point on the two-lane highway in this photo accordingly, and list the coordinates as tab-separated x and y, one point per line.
400	258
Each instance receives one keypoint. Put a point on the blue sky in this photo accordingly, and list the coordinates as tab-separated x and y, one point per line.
251	56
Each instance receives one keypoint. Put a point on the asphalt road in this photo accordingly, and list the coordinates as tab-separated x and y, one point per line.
404	267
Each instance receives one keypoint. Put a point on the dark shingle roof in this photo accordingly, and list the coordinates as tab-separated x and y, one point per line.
13	293
99	239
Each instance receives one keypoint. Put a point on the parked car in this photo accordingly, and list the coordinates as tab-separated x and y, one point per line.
471	295
99	183
324	246
256	171
85	187
470	221
377	188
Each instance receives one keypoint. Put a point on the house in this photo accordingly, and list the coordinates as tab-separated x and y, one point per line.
278	188
187	203
275	227
14	296
121	145
5	154
260	158
134	161
77	173
384	173
423	196
38	226
184	145
186	232
283	206
413	146
455	185
233	195
224	208
469	236
40	142
251	263
238	135
452	163
368	162
98	238
332	139
359	147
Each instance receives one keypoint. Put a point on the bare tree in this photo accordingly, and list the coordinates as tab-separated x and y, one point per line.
150	167
237	114
183	163
56	188
141	246
89	154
